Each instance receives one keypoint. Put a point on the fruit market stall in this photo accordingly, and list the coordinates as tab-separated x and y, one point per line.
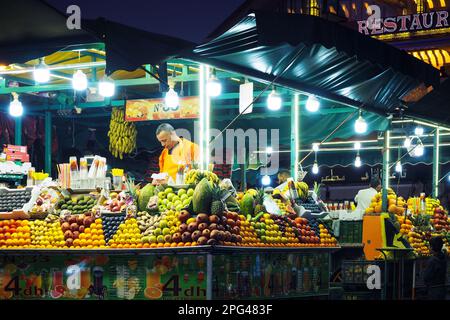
164	242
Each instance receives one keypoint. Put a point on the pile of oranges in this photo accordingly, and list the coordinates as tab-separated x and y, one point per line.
15	233
325	237
405	225
91	237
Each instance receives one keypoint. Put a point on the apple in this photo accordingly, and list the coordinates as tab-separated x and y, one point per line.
74	227
214	219
75	234
184	215
81	229
213	226
215	234
231	223
65	226
68	234
80	219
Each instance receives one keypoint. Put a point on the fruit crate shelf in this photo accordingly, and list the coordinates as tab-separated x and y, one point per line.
351	245
184	250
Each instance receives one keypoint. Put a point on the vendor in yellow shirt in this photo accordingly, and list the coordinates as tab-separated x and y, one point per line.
177	150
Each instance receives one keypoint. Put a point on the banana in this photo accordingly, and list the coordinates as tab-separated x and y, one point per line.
122	135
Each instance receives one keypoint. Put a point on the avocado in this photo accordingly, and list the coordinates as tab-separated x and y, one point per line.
64	206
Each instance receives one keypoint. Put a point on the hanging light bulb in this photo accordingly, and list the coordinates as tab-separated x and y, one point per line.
358	161
418	131
15	107
357	145
360	124
265	180
312	104
315	147
79	81
106	87
407	143
274	101
398	167
315	168
172	99
448	177
419	150
213	87
269	150
41	73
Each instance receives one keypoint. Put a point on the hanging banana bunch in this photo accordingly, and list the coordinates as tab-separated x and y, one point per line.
122	134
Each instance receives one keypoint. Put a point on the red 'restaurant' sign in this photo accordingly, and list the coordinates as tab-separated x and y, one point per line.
155	109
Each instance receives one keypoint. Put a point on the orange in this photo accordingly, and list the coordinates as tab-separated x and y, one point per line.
113	245
95	243
98	221
146	245
120	245
167	245
180	244
160	245
153	245
173	244
87	230
187	244
126	245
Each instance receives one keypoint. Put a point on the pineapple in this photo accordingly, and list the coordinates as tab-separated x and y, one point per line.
217	205
259	202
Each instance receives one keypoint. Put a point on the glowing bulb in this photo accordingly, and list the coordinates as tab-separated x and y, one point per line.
172	99
41	73
312	104
407	143
106	87
15	107
213	87
315	147
274	101
418	131
358	161
448	177
315	168
269	150
419	150
357	145
79	81
398	167
360	125
265	180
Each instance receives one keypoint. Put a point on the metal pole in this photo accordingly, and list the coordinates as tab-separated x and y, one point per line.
48	142
295	135
436	156
18	131
204	117
386	173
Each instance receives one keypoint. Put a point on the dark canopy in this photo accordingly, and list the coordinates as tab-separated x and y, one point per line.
320	57
31	29
435	106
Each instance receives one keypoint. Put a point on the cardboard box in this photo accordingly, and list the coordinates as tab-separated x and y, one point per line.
18	157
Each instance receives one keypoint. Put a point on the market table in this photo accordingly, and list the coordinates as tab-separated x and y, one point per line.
201	272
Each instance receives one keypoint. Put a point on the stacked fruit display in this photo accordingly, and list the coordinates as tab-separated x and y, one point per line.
74	225
307	234
116	203
194	176
42	204
92	237
267	230
127	236
111	224
396	205
169	200
440	219
14	233
76	205
405	225
162	228
122	134
248	233
418	242
431	205
13	199
326	238
46	235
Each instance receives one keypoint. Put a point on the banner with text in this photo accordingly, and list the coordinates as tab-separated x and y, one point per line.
155	109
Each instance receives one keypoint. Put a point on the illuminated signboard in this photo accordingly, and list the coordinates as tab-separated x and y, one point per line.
408	23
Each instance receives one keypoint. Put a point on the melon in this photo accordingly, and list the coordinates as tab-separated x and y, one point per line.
202	197
144	196
247	204
232	204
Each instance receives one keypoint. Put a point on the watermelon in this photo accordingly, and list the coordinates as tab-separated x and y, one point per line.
202	197
247	204
232	204
144	196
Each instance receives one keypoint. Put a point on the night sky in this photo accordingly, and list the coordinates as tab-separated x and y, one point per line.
190	20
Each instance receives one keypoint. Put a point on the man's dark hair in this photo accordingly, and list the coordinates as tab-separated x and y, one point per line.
164	127
375	182
284	171
436	243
